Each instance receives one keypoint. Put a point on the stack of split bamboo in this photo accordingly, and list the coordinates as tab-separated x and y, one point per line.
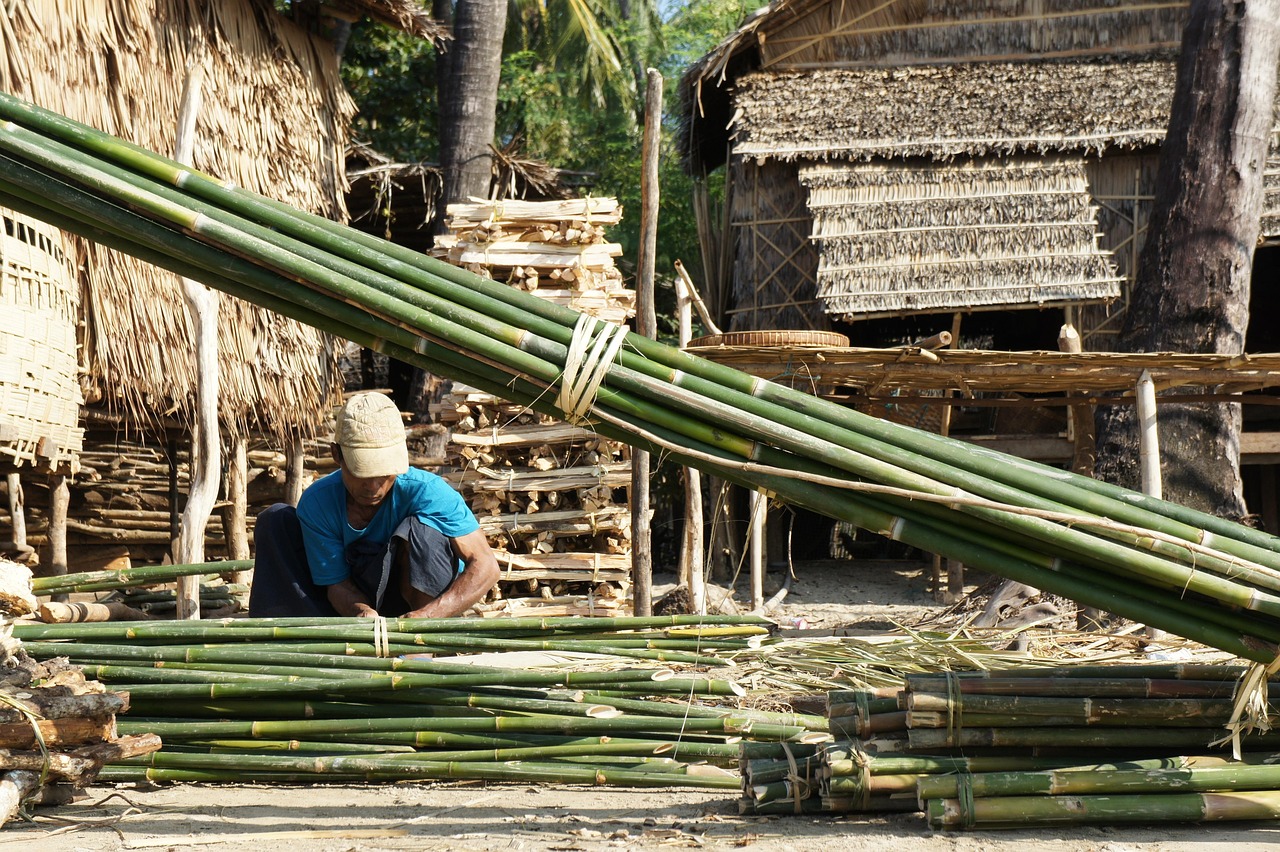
1186	572
550	496
57	729
339	699
557	249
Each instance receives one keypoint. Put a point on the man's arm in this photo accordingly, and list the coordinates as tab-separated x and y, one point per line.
347	599
481	572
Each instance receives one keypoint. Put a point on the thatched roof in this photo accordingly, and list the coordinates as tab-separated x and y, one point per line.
807	35
979	109
274	120
928	237
407	15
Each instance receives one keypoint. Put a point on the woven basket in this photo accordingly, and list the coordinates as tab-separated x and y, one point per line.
40	393
771	338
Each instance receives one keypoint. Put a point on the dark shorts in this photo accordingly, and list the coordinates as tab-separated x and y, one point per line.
282	584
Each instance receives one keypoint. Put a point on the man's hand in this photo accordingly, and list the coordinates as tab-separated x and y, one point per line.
347	599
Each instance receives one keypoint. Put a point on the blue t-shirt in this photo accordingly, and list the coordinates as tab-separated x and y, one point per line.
322	511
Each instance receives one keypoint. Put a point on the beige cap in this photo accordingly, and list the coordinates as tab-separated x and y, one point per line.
371	434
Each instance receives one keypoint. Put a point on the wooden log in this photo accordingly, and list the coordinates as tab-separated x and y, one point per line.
55	612
59	503
16	786
56	733
61	702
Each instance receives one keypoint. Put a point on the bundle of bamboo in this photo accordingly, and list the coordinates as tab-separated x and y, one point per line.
359	698
1191	574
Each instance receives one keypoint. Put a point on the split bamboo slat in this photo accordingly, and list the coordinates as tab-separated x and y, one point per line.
546	492
1155	562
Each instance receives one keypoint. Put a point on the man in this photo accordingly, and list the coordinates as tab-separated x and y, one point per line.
376	537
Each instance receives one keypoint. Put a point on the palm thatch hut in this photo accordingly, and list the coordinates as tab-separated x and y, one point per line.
101	328
914	157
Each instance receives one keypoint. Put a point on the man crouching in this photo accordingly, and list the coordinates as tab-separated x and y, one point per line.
375	537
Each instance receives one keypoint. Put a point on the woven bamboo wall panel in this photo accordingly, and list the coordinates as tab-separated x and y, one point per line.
898	238
40	394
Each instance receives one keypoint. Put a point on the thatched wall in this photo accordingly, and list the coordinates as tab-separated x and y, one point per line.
775	262
973	235
980	109
274	120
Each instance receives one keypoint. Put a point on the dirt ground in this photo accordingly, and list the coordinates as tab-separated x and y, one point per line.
476	816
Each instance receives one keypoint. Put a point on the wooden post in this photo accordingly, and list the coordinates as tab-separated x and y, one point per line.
206	449
295	471
235	520
17	513
59	503
1084	450
758	507
1148	437
647	325
1149	449
691	560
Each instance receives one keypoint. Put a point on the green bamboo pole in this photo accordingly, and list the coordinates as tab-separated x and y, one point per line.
1028	811
241	746
98	581
1086	708
1067	782
1166	739
1114	686
304	729
396	767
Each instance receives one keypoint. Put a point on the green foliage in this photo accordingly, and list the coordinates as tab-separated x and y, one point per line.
392	76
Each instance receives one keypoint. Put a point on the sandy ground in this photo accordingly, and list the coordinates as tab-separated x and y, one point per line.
474	816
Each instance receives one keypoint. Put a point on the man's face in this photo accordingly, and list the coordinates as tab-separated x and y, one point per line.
363	490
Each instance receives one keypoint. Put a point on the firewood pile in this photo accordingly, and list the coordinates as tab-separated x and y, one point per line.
57	729
557	249
550	496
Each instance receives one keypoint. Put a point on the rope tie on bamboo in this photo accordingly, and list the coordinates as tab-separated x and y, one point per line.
955	709
594	345
863	762
964	799
863	703
799	785
381	637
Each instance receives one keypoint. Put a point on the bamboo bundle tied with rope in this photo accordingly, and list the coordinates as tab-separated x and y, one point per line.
1186	572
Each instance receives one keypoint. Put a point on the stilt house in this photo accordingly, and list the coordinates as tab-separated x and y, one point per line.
916	157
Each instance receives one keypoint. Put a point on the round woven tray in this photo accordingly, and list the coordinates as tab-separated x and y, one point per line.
771	338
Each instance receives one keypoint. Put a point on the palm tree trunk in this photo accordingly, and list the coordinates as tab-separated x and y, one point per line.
469	100
1191	292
